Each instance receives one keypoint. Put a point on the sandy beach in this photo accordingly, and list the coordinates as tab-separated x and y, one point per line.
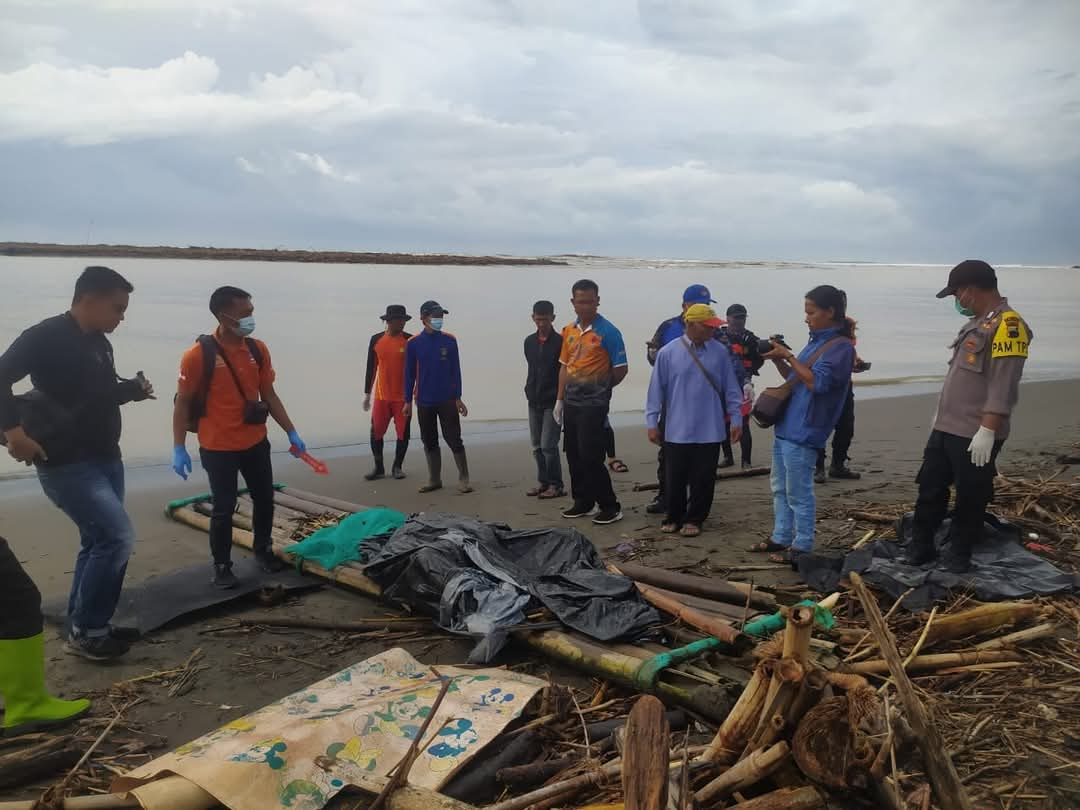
890	434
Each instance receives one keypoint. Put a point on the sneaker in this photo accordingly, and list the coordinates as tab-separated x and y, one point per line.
269	563
655	507
577	511
607	516
375	474
397	473
820	477
727	462
224	578
127	634
96	648
844	472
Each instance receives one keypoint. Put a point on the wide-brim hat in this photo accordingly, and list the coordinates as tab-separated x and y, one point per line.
394	311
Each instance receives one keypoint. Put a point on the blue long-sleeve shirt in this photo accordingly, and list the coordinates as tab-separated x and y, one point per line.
693	411
432	368
811	415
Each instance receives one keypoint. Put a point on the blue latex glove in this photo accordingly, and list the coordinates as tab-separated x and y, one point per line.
295	440
181	461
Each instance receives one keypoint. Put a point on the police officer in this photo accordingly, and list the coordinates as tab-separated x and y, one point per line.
972	422
671	329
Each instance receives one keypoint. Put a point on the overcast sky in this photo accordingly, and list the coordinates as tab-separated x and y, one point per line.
922	130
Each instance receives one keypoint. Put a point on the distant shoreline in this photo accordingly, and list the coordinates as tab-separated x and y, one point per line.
258	254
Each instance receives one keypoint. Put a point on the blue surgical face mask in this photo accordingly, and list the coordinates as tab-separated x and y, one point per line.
436	324
245	326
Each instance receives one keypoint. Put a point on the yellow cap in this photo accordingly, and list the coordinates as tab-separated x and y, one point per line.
702	313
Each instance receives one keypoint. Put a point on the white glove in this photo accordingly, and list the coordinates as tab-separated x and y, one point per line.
748	392
981	447
556	412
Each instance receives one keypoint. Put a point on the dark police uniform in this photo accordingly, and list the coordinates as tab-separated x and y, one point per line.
984	377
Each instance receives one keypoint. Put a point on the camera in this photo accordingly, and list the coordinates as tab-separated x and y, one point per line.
766	346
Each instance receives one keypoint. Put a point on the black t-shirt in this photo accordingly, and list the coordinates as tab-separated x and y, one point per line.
75	370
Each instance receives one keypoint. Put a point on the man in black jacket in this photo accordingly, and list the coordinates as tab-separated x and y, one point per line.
542	349
69	428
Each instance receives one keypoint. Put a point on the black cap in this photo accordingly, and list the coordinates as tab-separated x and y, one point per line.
543	308
970	273
736	309
432	308
395	311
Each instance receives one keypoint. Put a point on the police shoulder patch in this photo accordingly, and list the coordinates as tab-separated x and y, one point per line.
1011	338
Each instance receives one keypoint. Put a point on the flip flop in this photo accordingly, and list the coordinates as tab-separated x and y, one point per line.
617	465
532	493
669	528
690	530
551	492
766	546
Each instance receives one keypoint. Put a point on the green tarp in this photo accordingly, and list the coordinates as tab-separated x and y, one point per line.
342	543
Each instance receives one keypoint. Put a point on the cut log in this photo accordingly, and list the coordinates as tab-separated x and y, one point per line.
746	773
982	619
948	788
41	759
740	722
716	589
645	760
323	500
931	663
803	798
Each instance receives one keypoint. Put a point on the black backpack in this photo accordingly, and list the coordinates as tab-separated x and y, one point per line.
209	352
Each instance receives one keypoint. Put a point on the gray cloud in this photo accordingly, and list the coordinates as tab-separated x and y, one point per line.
809	130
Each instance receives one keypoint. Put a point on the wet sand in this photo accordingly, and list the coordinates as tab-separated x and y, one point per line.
890	434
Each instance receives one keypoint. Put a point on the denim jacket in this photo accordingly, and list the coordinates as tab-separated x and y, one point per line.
811	415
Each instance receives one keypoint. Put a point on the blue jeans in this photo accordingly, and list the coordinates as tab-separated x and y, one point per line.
793	494
91	493
544	433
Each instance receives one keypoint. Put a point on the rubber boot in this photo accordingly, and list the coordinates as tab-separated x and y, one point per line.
377	454
434	465
399	458
463	472
921	550
28	706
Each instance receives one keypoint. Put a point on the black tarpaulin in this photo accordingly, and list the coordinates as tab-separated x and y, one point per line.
1001	569
481	578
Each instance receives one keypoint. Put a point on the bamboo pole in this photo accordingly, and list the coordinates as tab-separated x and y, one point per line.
648	741
307	507
1036	633
717	590
948	788
279	510
740	722
930	663
982	619
715	627
281	520
746	773
323	500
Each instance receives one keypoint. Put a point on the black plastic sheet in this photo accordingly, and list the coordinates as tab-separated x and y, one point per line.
465	573
1001	568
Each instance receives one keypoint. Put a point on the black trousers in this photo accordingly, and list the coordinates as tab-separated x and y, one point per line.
947	463
222	468
690	467
661	464
20	600
585	444
843	434
746	443
445	414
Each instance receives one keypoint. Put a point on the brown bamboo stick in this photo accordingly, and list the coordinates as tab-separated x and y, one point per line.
242	521
930	663
982	619
761	764
810	689
948	788
740	722
715	627
324	500
717	590
279	510
1029	634
307	507
281	520
803	798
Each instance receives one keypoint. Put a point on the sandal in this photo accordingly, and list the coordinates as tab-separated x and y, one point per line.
669	528
532	493
552	492
766	546
618	466
690	530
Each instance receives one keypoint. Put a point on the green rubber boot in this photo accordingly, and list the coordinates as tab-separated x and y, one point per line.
28	706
